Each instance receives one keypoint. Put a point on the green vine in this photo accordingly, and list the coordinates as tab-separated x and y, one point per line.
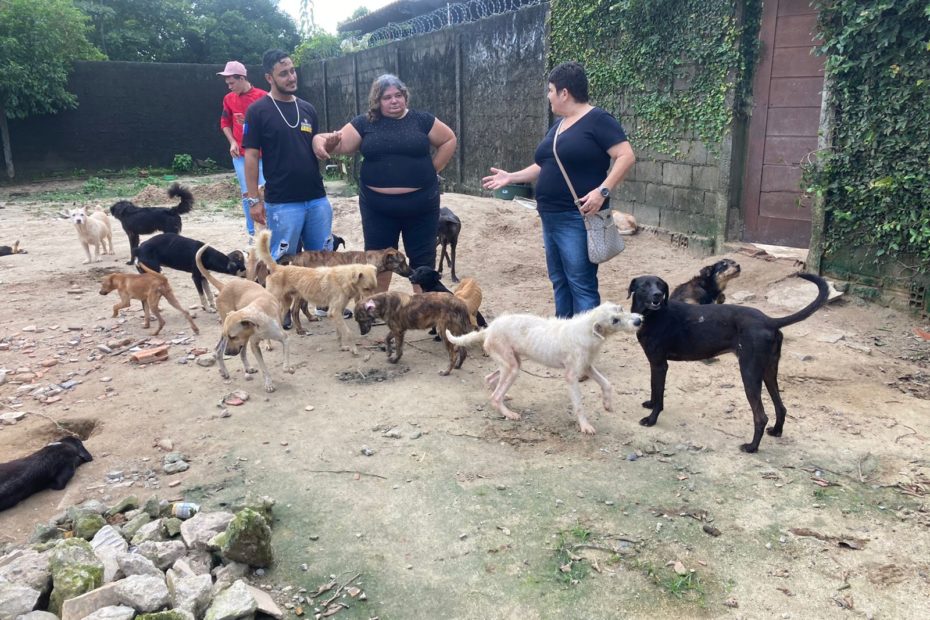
875	181
667	68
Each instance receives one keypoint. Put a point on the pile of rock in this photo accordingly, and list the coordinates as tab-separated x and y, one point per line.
125	562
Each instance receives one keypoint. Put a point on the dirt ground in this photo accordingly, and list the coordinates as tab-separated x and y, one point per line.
459	513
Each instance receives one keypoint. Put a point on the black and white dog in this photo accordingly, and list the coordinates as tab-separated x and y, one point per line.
49	468
147	220
177	252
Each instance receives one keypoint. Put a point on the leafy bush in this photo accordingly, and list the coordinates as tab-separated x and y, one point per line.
182	162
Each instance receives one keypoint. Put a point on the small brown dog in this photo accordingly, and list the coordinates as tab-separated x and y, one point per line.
707	287
470	293
331	287
421	311
148	287
249	314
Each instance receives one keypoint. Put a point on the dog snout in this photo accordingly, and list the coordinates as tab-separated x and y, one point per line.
364	326
637	320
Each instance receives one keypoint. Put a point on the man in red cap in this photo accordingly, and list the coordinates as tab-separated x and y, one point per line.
235	104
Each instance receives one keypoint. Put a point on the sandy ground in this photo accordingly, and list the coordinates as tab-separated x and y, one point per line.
459	513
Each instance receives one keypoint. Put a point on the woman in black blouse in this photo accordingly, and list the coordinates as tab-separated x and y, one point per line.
589	141
399	186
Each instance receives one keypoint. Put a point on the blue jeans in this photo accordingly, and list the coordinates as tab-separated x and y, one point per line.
305	224
573	276
239	167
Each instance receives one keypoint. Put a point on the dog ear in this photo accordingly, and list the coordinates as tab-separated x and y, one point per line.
370	305
663	285
709	270
633	284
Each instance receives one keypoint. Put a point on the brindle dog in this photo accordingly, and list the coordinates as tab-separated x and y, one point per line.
707	287
421	311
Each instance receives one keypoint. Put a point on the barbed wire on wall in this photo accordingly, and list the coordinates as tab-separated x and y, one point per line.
452	14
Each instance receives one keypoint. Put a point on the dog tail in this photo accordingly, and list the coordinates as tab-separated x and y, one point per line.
466	340
263	249
800	315
187	198
203	270
146	269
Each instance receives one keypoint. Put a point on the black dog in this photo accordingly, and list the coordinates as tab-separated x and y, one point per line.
6	250
448	235
177	252
49	468
429	280
147	220
684	332
707	287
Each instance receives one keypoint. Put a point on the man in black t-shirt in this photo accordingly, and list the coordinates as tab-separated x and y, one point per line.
279	128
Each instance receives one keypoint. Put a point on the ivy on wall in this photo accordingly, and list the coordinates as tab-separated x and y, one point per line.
875	180
667	67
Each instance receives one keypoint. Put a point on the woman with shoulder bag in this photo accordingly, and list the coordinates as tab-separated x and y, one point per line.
574	181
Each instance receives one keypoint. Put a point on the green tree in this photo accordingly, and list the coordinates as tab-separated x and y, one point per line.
202	31
39	40
317	46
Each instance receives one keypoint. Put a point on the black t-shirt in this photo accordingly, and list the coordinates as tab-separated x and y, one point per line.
396	150
583	151
292	172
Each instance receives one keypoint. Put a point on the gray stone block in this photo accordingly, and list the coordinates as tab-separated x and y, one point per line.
690	200
659	195
677	175
706	177
676	221
631	191
647	215
648	171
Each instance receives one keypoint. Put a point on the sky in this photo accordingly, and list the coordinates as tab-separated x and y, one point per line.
328	13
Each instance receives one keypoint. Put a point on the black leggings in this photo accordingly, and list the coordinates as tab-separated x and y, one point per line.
415	216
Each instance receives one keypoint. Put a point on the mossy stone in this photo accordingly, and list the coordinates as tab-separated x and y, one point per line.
248	539
73	580
86	527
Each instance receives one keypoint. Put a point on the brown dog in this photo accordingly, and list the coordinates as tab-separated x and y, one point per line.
148	287
470	293
708	285
421	311
249	314
331	287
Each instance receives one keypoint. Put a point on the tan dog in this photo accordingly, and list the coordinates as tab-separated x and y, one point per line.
149	287
626	223
249	314
470	293
331	287
572	344
388	259
422	311
93	230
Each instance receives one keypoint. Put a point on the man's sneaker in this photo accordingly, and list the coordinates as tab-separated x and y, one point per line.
324	312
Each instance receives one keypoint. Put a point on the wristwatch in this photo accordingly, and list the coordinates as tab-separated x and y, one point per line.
252	201
605	192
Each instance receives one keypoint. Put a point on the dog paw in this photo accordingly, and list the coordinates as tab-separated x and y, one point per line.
647	421
774	433
86	262
224	376
444	373
251	371
269	387
608	406
749	448
209	309
587	429
289	370
393	360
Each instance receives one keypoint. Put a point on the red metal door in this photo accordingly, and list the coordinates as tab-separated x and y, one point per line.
783	128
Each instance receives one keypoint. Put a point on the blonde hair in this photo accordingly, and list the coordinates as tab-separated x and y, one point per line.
381	84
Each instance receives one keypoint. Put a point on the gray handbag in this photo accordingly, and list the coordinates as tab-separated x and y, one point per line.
604	240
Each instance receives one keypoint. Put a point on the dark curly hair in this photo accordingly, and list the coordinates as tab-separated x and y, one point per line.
571	75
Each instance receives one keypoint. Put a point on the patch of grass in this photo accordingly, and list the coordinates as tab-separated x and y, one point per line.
570	568
682	586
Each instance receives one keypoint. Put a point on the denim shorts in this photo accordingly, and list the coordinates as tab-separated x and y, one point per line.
305	225
239	167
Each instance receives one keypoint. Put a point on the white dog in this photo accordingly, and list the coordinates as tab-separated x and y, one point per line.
572	344
93	230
